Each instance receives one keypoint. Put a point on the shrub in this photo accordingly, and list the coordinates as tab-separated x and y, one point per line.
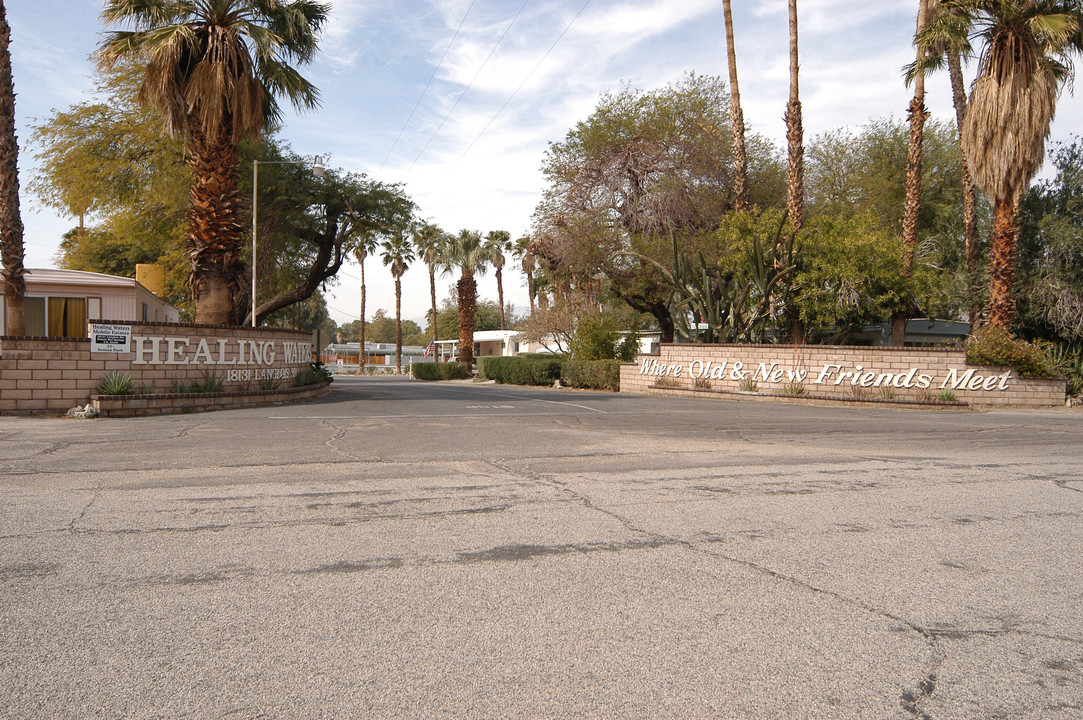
1067	360
311	375
211	383
996	346
439	371
748	385
115	383
793	389
946	395
521	370
591	374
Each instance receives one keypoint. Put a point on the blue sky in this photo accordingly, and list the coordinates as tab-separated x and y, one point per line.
477	165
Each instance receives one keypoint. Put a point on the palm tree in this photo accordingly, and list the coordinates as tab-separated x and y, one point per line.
497	243
917	115
366	245
795	180
429	240
527	262
398	254
11	223
466	253
214	69
1024	61
737	119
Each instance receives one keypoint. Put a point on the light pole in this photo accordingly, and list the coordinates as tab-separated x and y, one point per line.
317	169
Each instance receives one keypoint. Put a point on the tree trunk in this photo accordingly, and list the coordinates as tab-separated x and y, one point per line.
398	326
530	289
500	295
361	347
970	205
468	296
432	292
795	186
11	224
917	115
1001	307
215	205
737	120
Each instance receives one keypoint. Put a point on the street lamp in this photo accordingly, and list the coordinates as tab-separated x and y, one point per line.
317	169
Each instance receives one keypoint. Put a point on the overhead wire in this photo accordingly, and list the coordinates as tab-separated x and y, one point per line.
431	78
469	85
523	83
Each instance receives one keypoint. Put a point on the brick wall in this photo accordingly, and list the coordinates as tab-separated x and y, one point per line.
839	373
43	375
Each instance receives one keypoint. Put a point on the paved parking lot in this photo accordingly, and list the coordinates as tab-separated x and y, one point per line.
457	550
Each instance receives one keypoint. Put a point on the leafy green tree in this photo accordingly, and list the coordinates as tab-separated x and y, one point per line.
1049	276
486	317
214	70
643	165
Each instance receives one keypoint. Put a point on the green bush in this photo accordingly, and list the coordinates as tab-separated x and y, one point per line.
439	371
311	375
591	374
996	346
522	370
115	383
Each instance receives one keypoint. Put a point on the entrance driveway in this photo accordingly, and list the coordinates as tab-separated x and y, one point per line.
455	550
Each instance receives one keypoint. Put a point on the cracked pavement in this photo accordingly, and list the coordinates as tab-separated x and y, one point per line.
455	550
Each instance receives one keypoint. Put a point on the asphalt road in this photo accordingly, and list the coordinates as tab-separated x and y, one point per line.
451	550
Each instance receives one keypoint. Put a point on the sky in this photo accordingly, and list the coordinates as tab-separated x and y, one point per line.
458	100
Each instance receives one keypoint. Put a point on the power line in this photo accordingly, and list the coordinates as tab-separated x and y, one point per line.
524	82
431	78
469	85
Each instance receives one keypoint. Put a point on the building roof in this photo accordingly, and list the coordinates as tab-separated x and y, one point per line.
54	276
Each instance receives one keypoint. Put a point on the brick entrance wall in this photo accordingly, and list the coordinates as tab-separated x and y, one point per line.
43	375
837	372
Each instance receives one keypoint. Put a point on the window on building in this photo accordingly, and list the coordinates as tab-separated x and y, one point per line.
34	309
67	316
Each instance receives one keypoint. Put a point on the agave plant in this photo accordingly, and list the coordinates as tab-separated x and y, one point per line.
115	383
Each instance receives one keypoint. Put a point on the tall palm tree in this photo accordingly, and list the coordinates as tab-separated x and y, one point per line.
497	244
466	253
917	115
527	262
737	119
214	69
429	240
366	245
795	179
397	254
970	204
11	223
1025	59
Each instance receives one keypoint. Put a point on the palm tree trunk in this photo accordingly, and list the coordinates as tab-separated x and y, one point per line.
500	295
795	185
1001	305
361	347
11	224
912	203
468	294
737	120
530	290
432	293
917	115
970	205
216	279
398	325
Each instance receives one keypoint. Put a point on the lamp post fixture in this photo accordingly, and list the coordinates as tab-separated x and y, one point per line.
317	169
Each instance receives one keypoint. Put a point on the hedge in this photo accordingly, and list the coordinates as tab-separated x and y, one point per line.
439	371
591	374
521	370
